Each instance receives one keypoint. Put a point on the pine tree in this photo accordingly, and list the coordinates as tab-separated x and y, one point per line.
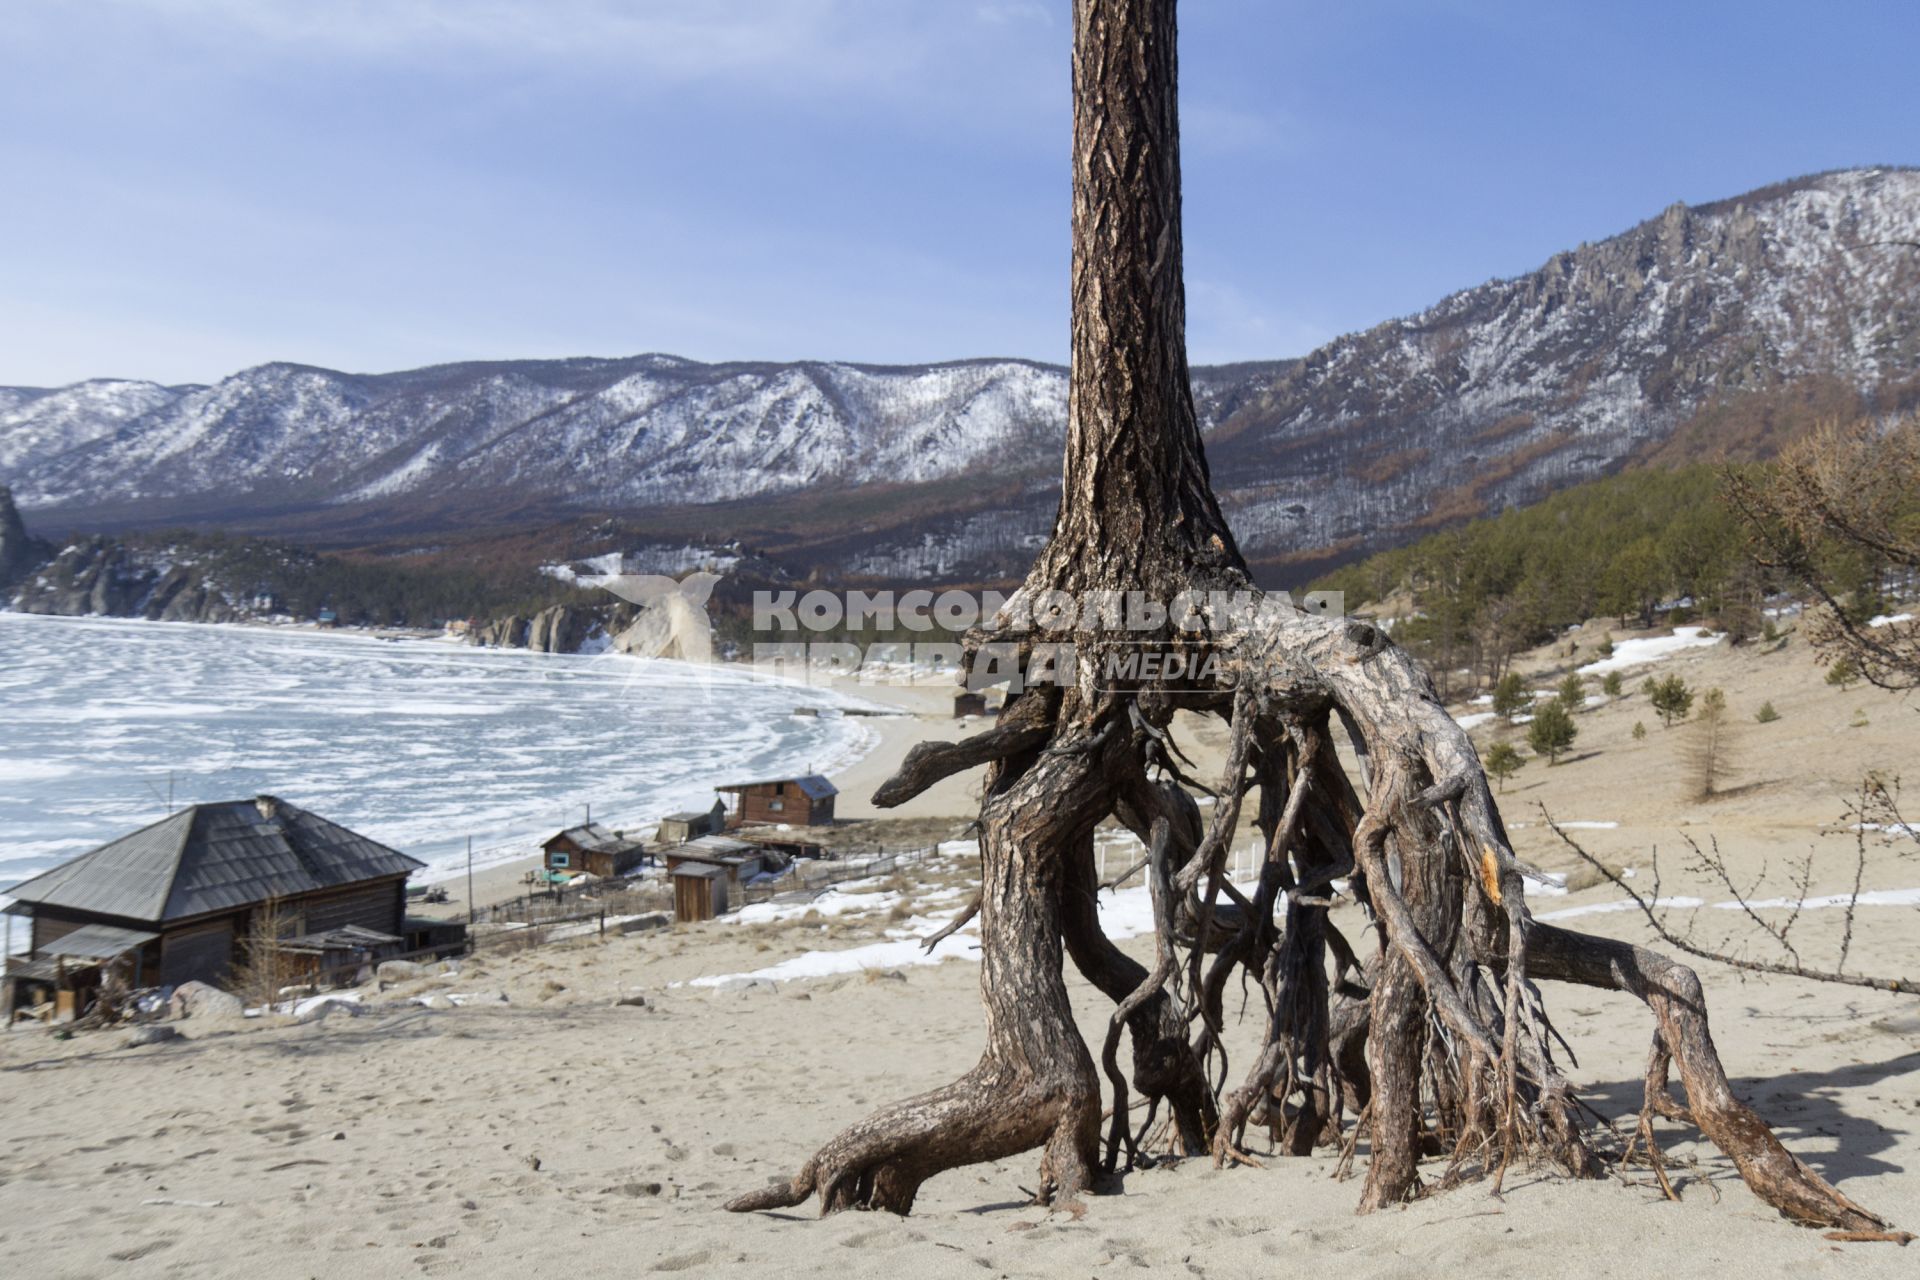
1503	762
1672	699
1552	731
1573	692
1611	685
1766	714
1843	674
1639	731
1510	696
1707	751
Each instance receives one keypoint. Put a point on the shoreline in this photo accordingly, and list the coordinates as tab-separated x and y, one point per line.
914	717
839	743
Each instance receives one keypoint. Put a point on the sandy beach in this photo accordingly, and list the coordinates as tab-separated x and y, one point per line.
594	1103
921	713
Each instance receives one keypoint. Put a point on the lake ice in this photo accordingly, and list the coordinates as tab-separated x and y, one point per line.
417	743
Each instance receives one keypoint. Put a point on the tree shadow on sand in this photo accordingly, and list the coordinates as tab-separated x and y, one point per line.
1806	1108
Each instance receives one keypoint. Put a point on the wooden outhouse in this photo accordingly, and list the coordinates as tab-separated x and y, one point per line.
699	892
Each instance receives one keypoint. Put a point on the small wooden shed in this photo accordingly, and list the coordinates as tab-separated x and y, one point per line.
786	847
737	860
699	892
678	828
802	802
969	703
595	850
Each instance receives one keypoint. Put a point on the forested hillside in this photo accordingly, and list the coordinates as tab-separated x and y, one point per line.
180	576
1644	546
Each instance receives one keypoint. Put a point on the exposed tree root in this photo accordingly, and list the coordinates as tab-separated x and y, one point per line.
1442	1038
1435	1035
1672	992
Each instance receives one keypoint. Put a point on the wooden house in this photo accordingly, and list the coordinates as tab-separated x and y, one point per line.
593	849
800	802
678	828
969	703
738	860
699	892
177	901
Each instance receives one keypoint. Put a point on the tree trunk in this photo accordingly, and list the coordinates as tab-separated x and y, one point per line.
1444	1009
1137	509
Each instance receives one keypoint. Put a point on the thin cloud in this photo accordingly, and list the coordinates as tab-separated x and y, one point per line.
1224	324
1218	128
795	41
1006	14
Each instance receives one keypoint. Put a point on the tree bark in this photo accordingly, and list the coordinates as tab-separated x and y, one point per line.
1447	1008
1035	1085
1137	509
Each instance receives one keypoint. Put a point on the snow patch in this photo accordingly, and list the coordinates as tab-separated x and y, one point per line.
1640	651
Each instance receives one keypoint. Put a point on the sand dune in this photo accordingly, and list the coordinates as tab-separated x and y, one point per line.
562	1132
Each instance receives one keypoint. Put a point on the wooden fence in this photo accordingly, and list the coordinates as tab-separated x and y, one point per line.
539	910
812	878
591	923
614	895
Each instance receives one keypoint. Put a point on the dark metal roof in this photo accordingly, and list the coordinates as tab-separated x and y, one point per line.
214	857
97	942
594	838
710	847
813	785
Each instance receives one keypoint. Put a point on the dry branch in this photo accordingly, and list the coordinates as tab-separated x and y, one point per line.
1791	968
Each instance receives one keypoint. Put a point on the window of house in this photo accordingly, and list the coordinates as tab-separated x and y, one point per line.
557	859
776	805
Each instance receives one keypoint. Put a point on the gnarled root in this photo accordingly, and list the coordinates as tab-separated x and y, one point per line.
1439	1039
994	1111
1035	1086
1672	992
1164	1067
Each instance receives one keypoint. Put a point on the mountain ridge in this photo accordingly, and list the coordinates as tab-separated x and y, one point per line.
1496	395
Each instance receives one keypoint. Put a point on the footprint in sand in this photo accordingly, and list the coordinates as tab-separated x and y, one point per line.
682	1261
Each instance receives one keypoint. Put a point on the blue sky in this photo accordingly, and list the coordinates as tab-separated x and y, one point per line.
188	187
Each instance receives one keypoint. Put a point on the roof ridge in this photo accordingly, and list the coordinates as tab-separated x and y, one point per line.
65	871
179	857
214	856
282	816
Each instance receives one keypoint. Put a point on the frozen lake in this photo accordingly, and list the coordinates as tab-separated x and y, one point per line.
417	743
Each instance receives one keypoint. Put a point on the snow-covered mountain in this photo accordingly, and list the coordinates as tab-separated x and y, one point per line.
1494	396
1505	392
36	424
645	431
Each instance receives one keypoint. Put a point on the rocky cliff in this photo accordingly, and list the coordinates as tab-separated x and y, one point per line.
20	553
106	577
